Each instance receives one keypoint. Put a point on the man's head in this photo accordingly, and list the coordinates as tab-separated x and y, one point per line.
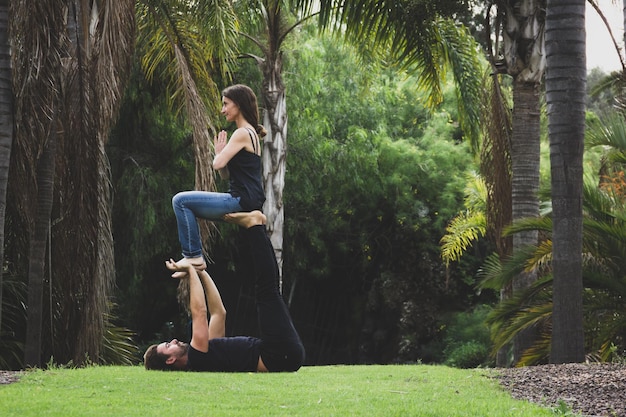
166	356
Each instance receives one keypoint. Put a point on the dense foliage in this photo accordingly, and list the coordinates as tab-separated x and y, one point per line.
372	180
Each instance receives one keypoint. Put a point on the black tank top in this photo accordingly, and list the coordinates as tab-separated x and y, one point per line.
245	178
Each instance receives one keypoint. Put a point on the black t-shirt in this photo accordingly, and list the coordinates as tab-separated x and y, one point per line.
227	354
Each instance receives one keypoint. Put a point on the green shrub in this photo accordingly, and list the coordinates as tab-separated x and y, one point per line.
468	355
467	340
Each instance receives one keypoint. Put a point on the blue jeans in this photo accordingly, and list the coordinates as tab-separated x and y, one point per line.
206	205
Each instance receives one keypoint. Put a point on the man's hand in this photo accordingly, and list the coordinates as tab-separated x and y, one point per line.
181	268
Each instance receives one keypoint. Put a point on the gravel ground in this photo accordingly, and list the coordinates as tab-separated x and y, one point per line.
6	377
592	390
587	389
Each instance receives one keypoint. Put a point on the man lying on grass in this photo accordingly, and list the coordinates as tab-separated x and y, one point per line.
278	349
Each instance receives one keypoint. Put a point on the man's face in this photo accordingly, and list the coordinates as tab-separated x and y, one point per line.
173	349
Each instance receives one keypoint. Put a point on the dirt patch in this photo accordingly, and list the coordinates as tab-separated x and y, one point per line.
588	389
6	377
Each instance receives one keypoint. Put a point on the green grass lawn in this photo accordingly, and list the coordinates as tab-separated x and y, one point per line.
407	390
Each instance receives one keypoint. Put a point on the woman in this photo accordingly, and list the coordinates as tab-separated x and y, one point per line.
239	160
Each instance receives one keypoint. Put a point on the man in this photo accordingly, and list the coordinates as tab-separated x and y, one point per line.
278	349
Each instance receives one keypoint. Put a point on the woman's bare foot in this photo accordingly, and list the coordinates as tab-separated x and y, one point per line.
182	266
198	263
246	219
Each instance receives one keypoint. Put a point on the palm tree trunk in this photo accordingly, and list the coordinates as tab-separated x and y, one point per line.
523	33
6	125
37	252
495	167
274	147
525	155
275	122
620	48
35	143
79	78
101	36
565	97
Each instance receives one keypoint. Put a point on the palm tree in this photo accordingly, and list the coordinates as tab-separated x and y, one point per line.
67	100
565	98
520	25
6	127
495	168
604	252
603	270
34	144
37	250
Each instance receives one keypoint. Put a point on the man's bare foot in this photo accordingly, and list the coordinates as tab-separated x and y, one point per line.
246	219
182	266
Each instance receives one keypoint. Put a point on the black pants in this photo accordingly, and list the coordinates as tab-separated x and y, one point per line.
282	349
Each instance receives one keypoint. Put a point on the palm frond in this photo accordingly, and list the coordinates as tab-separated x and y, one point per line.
490	274
118	346
604	203
218	26
539	352
605	321
610	133
601	282
543	224
497	274
612	82
507	320
462	231
476	192
466	65
171	44
13	318
541	259
468	226
495	160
